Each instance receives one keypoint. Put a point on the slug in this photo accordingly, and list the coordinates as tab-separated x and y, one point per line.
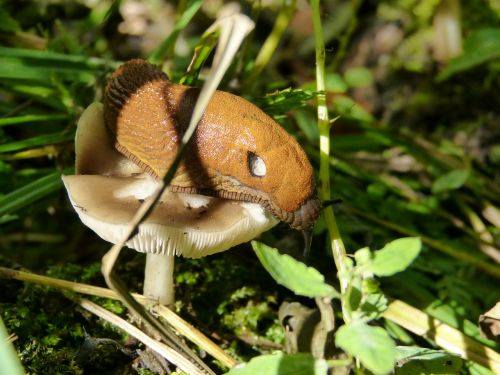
237	152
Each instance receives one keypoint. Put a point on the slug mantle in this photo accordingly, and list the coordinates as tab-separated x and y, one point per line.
237	152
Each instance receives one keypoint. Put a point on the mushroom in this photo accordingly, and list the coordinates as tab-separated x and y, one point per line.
242	174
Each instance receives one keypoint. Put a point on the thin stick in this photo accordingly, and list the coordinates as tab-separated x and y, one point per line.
180	325
233	31
170	354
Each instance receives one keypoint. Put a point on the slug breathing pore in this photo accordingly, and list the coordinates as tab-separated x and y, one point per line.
237	152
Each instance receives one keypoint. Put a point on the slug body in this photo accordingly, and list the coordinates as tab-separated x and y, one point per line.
237	151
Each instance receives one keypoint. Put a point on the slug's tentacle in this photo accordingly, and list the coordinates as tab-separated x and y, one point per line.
237	152
307	234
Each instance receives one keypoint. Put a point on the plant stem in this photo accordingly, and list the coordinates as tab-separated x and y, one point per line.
337	245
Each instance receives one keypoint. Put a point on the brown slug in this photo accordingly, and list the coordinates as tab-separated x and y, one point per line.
237	152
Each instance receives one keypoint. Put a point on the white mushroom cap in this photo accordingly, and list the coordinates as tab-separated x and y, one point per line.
109	189
94	149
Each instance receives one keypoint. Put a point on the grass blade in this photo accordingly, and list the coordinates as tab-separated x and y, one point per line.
30	193
446	337
157	56
37	141
9	363
31	118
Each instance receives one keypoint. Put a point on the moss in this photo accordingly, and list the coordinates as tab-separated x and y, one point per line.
51	330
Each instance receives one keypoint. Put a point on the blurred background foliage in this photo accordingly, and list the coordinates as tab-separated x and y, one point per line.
415	151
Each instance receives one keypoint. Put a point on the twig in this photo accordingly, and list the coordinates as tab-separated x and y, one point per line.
170	354
233	31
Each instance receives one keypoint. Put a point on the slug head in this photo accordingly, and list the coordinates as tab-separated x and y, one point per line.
237	152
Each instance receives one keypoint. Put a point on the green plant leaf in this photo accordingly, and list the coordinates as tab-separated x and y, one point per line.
363	256
281	364
333	83
415	360
395	257
450	181
373	306
277	103
358	76
347	107
7	23
292	274
371	345
481	46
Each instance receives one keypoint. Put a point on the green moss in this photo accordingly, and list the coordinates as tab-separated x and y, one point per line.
51	330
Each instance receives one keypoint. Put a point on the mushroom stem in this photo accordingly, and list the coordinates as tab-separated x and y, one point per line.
159	278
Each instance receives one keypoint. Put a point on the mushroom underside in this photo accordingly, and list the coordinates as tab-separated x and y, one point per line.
180	224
